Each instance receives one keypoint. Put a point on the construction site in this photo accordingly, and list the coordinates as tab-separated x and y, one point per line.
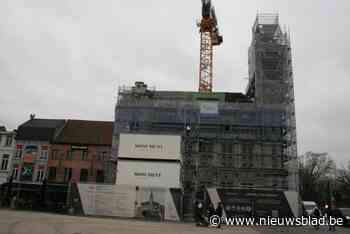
241	144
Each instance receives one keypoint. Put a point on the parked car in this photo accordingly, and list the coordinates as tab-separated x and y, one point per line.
309	206
343	213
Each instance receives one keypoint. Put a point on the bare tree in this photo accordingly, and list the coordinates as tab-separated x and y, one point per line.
316	169
343	185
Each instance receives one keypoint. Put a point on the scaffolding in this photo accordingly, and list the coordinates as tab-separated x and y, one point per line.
271	78
246	143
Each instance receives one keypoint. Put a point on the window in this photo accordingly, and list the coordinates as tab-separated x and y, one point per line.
275	182
273	150
266	150
19	151
227	160
8	140
67	174
54	155
100	176
244	149
204	160
69	155
84	174
102	156
275	162
52	173
227	148
43	155
244	162
40	175
205	147
84	155
5	162
44	152
15	172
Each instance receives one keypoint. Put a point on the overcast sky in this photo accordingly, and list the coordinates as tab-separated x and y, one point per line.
66	58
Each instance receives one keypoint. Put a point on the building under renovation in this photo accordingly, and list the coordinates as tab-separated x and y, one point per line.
240	144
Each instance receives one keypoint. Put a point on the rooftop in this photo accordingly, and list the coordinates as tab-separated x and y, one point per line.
39	129
141	91
85	132
43	123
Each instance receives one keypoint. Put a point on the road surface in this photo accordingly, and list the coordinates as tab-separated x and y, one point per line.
26	222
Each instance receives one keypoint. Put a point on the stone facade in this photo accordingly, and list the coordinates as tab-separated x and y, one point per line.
7	146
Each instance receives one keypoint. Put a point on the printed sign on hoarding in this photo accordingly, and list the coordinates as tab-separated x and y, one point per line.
209	108
144	146
130	201
107	200
148	173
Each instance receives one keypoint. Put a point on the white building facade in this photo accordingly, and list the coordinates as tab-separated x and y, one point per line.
149	160
7	150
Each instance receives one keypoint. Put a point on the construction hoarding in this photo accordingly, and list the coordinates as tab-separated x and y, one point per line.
130	201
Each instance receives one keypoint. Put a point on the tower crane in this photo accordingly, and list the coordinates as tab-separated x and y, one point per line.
210	37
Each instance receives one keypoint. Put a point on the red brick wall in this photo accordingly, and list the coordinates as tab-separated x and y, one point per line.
92	163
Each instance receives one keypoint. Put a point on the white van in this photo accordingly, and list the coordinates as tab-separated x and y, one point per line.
309	206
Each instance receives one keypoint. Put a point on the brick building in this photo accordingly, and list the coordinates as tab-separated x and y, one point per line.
81	152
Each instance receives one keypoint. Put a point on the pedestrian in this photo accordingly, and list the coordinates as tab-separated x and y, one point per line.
196	211
13	202
219	212
199	214
329	214
229	211
317	214
210	210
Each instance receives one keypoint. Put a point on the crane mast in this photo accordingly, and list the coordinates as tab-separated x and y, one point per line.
210	37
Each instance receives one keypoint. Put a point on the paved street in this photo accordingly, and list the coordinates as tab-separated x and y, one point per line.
24	222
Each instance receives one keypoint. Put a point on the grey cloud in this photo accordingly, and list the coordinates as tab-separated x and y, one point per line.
65	59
